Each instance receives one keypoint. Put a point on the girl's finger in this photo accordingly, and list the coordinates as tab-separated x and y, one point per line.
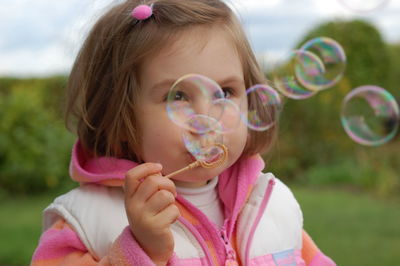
159	201
133	177
151	185
169	215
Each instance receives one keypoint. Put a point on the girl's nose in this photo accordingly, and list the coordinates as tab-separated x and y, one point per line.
202	124
201	106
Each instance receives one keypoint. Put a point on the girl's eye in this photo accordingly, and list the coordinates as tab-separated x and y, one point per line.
227	92
179	96
176	96
219	95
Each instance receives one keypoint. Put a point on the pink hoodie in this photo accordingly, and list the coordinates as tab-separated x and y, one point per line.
61	244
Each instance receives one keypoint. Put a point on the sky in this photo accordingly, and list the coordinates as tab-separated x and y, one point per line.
42	37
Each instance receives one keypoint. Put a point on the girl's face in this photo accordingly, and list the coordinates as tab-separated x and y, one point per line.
205	51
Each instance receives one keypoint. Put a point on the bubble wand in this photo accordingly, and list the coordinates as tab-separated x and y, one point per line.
208	165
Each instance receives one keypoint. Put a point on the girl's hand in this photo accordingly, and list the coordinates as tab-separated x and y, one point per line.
149	205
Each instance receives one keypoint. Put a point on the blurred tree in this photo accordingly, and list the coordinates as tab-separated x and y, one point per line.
312	144
394	73
34	145
368	59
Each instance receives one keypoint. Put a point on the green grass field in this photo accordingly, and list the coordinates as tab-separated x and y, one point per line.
20	228
354	229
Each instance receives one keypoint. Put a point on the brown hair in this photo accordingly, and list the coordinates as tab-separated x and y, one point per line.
103	84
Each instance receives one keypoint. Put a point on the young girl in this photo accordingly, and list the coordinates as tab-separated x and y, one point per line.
125	211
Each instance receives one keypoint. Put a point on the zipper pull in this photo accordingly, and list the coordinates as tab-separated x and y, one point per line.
230	253
231	259
231	263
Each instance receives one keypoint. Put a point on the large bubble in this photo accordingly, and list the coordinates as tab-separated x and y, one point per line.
263	115
195	94
227	113
285	75
370	115
191	95
333	59
203	145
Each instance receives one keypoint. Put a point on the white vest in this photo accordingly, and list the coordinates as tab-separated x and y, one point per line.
98	216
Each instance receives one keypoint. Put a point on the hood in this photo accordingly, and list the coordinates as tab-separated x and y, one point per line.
234	186
103	170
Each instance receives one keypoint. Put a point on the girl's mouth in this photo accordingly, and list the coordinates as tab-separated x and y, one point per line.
213	158
210	155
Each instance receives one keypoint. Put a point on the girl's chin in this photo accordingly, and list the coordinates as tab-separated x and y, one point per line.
191	183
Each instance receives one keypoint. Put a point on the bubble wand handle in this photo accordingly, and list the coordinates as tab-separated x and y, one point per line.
204	164
189	167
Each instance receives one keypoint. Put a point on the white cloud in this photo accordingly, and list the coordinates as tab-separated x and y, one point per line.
41	62
43	36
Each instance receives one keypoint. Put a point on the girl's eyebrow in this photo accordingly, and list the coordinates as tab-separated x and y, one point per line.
166	83
232	79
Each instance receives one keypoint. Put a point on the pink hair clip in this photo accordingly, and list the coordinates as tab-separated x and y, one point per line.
142	12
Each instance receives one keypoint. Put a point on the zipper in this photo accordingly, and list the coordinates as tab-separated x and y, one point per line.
230	252
261	210
230	259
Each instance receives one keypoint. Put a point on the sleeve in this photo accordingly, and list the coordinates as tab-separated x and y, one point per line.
312	255
60	245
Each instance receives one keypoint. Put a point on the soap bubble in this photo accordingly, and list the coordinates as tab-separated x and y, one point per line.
370	115
202	145
227	113
285	75
260	118
192	95
333	59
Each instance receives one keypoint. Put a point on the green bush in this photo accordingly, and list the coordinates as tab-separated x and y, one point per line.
34	145
394	73
313	146
368	56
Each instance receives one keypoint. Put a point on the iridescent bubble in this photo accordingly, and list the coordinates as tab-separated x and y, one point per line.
370	115
202	145
192	95
263	115
363	5
201	124
285	77
227	113
333	58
